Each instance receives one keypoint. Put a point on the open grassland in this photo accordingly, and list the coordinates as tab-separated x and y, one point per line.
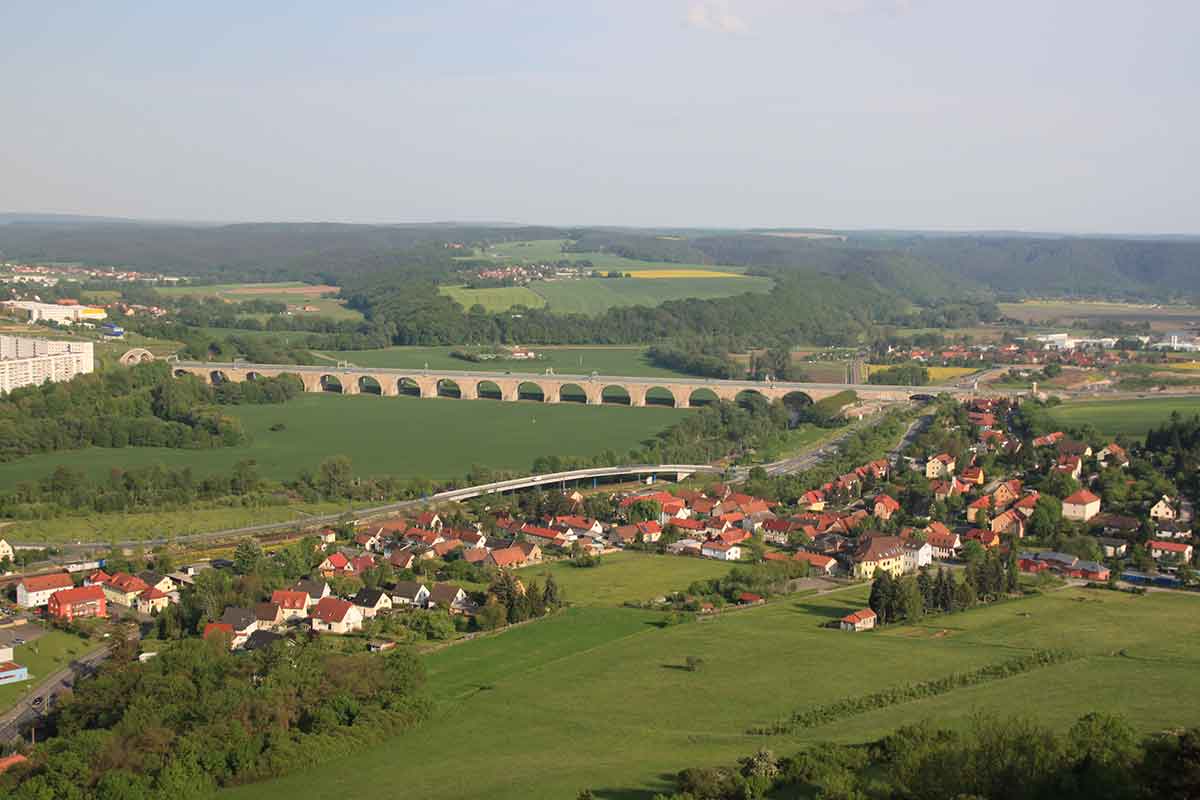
625	577
1127	417
623	361
596	295
293	293
43	657
609	684
407	436
499	298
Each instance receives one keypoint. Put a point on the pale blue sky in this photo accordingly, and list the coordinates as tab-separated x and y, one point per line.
1074	115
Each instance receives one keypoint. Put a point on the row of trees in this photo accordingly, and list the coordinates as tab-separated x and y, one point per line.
1101	757
908	598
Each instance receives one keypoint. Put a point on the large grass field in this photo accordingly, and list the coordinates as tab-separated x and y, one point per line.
436	438
603	689
627	576
1124	417
42	657
624	361
596	295
498	298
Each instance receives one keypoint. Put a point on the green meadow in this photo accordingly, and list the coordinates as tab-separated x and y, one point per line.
625	577
603	689
596	295
406	436
1124	417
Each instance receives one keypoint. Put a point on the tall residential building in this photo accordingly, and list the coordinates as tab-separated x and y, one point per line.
26	361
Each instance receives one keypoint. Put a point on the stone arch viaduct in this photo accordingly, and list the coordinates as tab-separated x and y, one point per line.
548	388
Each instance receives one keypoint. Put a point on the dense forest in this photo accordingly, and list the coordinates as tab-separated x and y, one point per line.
198	717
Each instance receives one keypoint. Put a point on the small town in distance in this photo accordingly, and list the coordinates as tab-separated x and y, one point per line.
688	400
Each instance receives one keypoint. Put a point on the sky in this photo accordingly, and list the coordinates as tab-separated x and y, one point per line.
1069	115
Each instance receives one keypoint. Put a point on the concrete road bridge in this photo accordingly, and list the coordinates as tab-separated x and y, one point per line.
547	387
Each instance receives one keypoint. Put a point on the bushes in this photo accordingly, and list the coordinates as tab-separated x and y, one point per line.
851	706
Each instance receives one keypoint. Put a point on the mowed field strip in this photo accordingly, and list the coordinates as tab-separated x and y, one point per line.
607	682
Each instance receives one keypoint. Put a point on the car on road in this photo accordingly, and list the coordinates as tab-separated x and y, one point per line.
37	701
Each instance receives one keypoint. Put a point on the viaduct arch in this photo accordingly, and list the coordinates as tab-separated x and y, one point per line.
550	388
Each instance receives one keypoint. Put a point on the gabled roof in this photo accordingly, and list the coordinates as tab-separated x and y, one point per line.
332	609
367	598
290	600
314	589
508	556
40	583
239	618
84	594
337	560
1082	498
262	639
445	593
409	590
266	612
859	616
126	583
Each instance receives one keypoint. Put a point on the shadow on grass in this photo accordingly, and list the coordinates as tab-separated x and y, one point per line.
823	610
664	784
680	667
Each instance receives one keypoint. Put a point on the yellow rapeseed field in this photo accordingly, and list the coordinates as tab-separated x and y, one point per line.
683	273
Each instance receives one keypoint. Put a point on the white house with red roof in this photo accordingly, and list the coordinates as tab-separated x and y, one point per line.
34	591
335	615
863	620
1165	549
1080	506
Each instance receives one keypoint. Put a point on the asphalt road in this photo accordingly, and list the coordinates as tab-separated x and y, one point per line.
18	718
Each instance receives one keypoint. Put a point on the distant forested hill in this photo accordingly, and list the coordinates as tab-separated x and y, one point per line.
922	268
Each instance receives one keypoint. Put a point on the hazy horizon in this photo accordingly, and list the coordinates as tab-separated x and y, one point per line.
868	115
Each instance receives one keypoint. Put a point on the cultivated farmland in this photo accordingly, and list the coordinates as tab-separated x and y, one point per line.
435	438
1127	417
611	683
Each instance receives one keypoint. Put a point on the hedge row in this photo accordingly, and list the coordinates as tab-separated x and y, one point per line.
851	706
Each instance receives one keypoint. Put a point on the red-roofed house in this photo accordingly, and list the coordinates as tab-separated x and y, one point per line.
69	604
293	604
34	591
944	542
975	506
1010	523
863	620
1164	549
151	601
940	466
823	565
334	564
1027	504
122	589
335	615
885	506
1081	506
219	629
507	558
813	500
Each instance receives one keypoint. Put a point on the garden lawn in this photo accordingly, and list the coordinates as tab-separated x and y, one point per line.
405	436
626	576
621	361
1127	417
606	691
51	652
